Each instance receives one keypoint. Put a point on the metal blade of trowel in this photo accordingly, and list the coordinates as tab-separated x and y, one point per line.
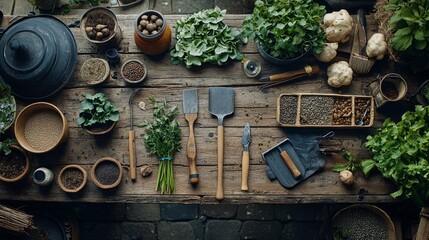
221	104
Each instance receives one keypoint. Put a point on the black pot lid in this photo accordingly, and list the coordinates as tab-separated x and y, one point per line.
38	56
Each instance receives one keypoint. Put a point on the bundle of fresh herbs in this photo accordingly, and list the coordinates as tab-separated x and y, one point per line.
97	109
400	151
163	138
286	29
203	37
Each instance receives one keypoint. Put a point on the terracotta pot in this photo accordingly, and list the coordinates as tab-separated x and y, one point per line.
100	131
114	39
98	164
18	150
68	167
88	68
155	44
138	62
44	131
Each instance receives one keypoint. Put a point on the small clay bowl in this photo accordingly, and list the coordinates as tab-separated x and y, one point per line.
18	150
133	72
100	130
92	71
99	163
63	171
34	127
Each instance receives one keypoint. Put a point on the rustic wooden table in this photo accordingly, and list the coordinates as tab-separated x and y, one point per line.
167	81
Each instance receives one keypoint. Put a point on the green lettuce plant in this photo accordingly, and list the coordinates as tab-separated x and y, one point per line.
400	151
286	29
203	37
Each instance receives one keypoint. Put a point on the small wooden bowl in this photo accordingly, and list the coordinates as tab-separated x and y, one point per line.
24	116
99	162
86	67
138	62
80	169
18	150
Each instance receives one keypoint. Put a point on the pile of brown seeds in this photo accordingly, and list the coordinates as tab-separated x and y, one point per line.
288	109
11	166
316	110
72	178
133	71
362	104
342	111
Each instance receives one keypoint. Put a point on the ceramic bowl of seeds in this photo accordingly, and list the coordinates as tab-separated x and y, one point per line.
95	71
72	178
362	222
133	71
106	173
40	127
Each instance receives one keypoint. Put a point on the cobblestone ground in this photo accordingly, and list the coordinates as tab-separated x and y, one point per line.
128	221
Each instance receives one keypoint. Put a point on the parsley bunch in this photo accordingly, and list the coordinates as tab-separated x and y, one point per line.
163	138
400	151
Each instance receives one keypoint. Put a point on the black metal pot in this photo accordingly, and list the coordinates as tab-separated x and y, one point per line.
38	55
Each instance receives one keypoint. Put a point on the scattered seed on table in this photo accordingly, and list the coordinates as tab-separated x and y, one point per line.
43	129
316	110
288	109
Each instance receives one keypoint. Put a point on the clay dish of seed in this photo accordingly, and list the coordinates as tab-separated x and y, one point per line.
40	127
15	166
72	178
95	71
133	71
106	173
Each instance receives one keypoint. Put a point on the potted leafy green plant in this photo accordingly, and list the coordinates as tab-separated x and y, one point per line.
7	107
405	24
285	30
97	115
163	138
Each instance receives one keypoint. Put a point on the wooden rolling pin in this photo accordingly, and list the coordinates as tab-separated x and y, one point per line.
307	70
289	163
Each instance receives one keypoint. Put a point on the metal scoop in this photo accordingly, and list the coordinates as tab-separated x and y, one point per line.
360	121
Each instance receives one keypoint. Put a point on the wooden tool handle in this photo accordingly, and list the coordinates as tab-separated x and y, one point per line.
219	192
290	164
245	171
191	149
309	70
133	171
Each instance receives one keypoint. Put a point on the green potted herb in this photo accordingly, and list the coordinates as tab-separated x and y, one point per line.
405	24
285	30
97	115
7	107
163	139
400	151
203	37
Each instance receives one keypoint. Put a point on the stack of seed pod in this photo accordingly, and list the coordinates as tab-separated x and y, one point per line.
99	32
150	24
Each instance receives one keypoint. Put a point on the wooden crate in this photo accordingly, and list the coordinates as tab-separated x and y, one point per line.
303	112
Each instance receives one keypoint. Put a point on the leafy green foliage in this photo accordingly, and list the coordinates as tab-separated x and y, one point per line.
7	107
351	164
340	234
425	92
400	152
410	23
163	138
5	145
286	29
203	37
97	109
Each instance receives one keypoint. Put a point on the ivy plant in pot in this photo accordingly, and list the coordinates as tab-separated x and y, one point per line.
285	31
97	114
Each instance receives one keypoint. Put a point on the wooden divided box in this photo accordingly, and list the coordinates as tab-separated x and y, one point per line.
325	110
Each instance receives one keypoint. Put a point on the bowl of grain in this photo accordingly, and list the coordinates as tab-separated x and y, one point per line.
41	127
133	71
72	178
106	173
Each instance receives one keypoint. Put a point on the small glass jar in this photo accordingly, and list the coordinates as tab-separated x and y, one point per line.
43	176
152	44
